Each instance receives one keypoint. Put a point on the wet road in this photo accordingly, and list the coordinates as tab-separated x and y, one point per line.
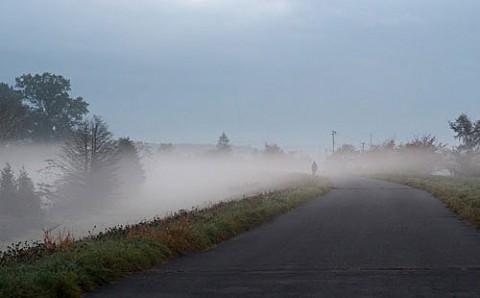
365	238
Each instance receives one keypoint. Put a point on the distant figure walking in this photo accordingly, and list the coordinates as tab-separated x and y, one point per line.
314	168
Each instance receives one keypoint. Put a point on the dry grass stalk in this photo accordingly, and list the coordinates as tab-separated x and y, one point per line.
62	240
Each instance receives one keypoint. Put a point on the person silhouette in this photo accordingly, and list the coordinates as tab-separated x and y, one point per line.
314	168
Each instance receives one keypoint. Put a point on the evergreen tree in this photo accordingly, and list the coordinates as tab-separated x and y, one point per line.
223	144
28	198
8	187
130	172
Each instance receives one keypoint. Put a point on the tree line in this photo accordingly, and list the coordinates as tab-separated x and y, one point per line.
423	154
92	168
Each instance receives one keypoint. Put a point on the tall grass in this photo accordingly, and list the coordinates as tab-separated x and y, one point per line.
61	267
460	194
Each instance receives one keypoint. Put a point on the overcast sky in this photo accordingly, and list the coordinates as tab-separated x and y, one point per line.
280	71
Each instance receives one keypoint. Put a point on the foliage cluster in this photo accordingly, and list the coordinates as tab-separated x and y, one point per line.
422	155
18	197
467	154
92	167
39	108
67	270
272	150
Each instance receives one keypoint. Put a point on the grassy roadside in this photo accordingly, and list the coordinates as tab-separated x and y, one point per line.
62	267
460	194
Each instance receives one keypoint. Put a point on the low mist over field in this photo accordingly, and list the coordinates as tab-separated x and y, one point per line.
174	179
88	184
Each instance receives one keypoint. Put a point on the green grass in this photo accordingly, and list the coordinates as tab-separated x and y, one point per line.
68	269
460	194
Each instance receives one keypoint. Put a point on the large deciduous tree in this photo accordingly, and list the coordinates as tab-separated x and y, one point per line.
13	114
467	132
426	142
53	113
422	154
88	165
466	155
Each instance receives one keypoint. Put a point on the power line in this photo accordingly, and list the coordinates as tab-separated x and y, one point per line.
361	143
347	137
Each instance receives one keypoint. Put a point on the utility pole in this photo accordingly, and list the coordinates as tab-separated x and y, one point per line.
333	141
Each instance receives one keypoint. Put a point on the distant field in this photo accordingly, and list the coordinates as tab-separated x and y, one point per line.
62	267
460	194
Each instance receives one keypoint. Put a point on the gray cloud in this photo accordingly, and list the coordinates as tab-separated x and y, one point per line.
289	70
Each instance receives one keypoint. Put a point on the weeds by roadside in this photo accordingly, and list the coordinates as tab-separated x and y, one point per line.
62	240
460	194
63	267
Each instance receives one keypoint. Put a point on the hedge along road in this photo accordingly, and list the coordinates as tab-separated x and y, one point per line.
365	238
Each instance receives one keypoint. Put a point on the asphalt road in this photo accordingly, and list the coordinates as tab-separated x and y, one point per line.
365	238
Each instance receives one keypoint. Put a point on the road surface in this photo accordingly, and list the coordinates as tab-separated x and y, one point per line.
365	238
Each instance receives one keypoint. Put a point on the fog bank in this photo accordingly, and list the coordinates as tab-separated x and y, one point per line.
173	181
